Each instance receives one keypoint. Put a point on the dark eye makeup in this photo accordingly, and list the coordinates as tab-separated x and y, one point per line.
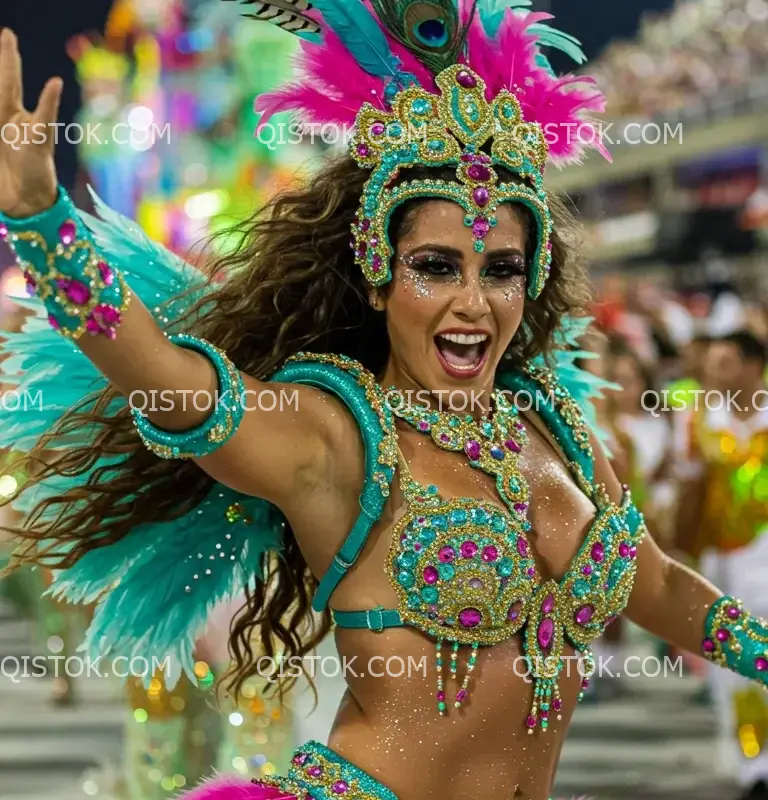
442	266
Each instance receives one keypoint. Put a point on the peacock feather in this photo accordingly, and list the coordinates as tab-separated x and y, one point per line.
432	30
290	15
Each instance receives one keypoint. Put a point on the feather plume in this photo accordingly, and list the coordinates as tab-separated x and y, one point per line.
289	15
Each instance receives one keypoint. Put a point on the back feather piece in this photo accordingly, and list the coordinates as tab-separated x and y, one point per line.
156	586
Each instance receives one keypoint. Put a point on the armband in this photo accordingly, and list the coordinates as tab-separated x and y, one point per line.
218	428
736	640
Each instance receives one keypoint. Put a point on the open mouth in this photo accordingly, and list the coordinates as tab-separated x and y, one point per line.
462	354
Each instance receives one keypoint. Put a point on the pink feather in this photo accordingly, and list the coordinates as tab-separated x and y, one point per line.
232	788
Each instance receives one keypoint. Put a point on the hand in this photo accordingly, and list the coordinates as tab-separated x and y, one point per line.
27	172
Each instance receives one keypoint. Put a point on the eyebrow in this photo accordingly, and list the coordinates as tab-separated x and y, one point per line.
453	252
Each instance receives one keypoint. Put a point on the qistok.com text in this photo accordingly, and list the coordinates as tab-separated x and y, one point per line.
16	669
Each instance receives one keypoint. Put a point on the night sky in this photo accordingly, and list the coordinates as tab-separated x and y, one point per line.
44	26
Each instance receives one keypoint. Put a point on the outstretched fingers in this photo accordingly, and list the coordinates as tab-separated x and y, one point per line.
47	110
10	76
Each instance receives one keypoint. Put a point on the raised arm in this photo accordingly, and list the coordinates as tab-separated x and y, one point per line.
677	605
262	453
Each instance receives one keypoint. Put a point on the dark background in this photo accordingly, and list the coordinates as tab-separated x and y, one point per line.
44	26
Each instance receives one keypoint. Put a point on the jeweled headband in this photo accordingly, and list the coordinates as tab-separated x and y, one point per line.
438	83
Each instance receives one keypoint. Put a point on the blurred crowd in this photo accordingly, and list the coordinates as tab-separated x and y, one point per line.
700	51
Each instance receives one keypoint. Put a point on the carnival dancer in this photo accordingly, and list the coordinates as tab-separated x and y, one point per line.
496	539
725	527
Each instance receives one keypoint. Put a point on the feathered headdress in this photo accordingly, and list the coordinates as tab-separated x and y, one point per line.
459	83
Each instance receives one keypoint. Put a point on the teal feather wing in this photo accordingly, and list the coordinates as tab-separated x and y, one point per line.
152	566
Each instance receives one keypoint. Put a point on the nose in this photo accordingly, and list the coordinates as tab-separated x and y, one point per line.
471	302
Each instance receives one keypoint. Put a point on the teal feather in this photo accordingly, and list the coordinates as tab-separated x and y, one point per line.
491	13
583	386
361	34
149	570
559	40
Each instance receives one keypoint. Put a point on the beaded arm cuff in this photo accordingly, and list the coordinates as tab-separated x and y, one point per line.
62	266
736	640
220	426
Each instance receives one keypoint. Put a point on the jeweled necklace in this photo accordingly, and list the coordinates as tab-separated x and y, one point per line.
492	443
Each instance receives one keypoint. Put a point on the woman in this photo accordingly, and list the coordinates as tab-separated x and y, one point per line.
500	529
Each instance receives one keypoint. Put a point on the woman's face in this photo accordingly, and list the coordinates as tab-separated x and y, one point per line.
451	311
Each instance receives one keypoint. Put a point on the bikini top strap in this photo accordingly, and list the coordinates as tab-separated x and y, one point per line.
356	387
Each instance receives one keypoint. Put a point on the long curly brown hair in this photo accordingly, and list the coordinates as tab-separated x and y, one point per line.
292	285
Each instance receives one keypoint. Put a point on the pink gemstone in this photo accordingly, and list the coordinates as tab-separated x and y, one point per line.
633	552
78	292
722	635
544	713
362	150
479	173
468	550
376	262
469	617
446	554
490	553
519	425
585	683
472	449
441	696
365	225
521	508
106	273
584	615
530	721
417	547
549	245
377	129
300	758
109	314
466	157
444	437
67	232
545	633
430	574
462	695
708	646
587	569
3	231
514	611
315	771
623	549
531	571
761	664
480	228
557	704
548	605
423	426
339	787
481	196
53	322
598	552
733	612
362	248
374	241
522	546
512	445
465	79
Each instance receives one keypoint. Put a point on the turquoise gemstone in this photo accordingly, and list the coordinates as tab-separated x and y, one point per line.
479	246
436	145
406	579
414	601
487	429
508	111
514	485
453	422
446	571
468	220
458	517
580	588
395	129
429	595
407	561
479	516
440	521
506	567
427	536
617	523
498	523
432	489
420	105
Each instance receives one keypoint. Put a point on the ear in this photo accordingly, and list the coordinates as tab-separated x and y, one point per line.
376	299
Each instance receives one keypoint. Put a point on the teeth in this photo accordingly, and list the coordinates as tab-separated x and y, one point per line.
464	338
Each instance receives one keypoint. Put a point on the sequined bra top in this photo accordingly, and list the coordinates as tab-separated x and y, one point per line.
463	568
